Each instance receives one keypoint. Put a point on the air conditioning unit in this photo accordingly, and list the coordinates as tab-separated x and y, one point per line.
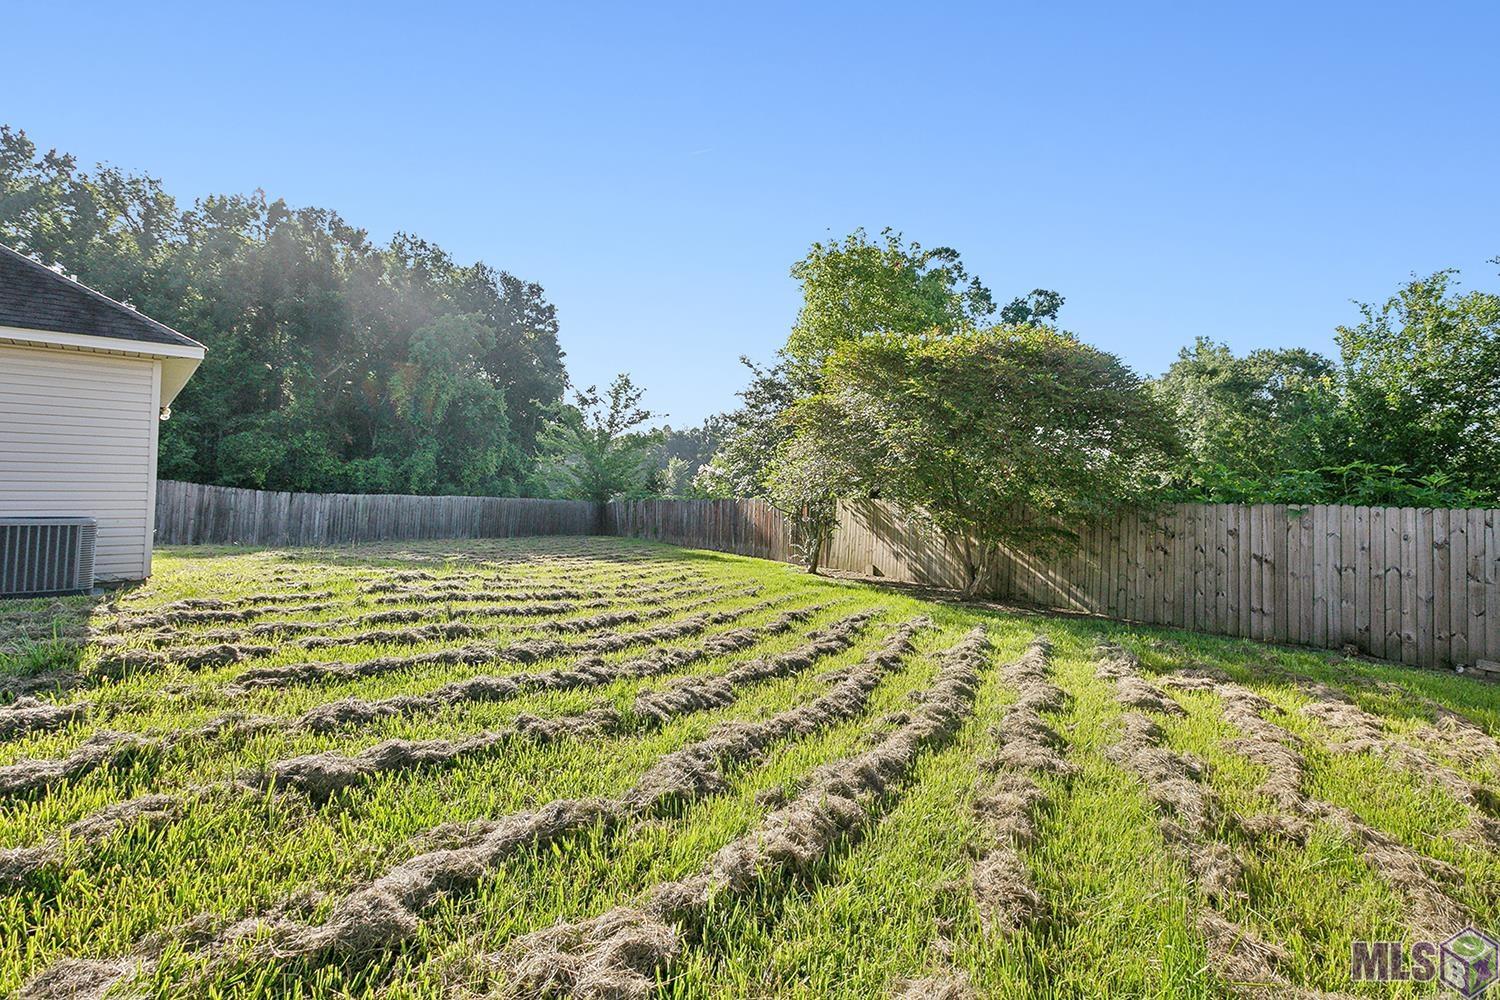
46	555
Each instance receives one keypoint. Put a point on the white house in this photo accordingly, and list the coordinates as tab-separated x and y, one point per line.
84	383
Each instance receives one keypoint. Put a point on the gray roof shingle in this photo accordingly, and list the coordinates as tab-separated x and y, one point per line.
34	297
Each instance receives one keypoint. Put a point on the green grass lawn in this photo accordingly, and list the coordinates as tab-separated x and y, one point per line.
428	770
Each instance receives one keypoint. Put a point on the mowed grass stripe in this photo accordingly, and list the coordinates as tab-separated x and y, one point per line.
590	872
1401	888
1117	910
341	932
131	706
622	951
556	605
1306	893
216	822
87	676
201	766
904	886
336	596
1117	917
125	659
324	773
607	640
1427	806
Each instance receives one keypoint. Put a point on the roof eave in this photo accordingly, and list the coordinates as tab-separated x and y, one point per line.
190	349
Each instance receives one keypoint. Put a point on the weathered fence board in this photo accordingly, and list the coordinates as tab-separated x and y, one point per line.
744	527
191	514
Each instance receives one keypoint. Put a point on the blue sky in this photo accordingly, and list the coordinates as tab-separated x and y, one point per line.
1173	169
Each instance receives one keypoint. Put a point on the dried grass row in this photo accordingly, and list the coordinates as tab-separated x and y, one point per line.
619	953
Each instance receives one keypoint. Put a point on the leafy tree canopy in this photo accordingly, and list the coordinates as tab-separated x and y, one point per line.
971	428
754	432
1408	415
789	442
334	363
1421	384
857	287
1251	417
591	449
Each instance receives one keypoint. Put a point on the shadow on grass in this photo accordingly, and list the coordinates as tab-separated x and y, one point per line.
43	639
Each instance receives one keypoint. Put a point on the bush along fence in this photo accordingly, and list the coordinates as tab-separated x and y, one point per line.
1416	586
191	514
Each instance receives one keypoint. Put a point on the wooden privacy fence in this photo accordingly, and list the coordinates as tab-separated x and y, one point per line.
1417	586
190	514
744	527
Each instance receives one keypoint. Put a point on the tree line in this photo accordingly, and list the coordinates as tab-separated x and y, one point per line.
901	380
335	364
338	364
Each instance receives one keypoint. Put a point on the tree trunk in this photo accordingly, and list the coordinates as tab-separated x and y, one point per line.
971	585
815	554
979	557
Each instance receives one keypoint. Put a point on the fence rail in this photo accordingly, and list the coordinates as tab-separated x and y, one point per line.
192	514
1417	586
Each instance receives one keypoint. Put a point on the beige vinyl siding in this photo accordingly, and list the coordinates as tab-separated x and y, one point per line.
78	436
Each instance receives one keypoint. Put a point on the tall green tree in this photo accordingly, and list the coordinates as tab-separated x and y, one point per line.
592	449
779	446
1246	420
1408	415
755	431
858	287
1421	383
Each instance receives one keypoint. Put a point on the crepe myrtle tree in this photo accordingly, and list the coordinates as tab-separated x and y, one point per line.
966	430
804	480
